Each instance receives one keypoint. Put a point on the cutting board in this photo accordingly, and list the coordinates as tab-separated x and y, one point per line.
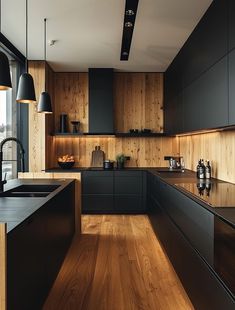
97	157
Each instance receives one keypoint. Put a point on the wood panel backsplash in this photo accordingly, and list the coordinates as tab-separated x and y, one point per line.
218	147
144	152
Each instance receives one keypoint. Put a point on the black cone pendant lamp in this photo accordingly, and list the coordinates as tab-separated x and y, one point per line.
44	105
26	91
5	76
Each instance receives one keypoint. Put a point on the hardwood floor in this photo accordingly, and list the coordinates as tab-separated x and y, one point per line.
118	264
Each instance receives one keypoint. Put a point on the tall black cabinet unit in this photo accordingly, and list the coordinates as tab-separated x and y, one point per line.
200	98
101	101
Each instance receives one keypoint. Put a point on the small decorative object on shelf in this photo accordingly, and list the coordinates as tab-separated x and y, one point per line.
120	158
76	125
63	123
66	161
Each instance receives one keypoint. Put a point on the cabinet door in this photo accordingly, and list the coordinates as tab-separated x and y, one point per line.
128	192
207	43
128	182
173	114
206	100
100	182
231	24
232	88
97	204
26	274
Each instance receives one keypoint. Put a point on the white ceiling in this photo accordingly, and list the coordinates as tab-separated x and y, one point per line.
89	32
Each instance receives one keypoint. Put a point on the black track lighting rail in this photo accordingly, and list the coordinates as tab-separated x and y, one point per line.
128	27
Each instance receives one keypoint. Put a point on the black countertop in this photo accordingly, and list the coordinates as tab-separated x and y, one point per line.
221	201
14	210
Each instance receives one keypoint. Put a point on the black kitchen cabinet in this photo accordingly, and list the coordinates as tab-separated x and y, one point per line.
171	220
36	249
128	192
101	101
231	13
206	99
26	285
196	83
232	88
208	42
118	191
173	114
97	192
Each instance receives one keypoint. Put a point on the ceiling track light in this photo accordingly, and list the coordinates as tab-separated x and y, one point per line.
130	12
44	105
26	91
128	27
5	76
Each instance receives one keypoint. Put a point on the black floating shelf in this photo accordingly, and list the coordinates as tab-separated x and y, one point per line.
141	134
117	134
68	134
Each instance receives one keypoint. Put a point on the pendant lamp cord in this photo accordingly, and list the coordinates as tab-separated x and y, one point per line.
45	46
26	35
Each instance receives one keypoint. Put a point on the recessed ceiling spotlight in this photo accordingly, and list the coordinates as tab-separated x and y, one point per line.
130	12
128	25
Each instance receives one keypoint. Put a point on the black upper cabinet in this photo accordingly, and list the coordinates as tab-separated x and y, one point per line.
207	43
101	101
206	100
231	42
196	83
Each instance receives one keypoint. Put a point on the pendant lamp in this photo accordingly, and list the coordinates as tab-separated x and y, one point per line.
26	91
44	105
5	76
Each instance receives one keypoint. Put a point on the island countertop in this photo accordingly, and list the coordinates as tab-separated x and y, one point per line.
14	210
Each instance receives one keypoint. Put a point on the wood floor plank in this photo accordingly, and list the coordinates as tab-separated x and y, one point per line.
117	264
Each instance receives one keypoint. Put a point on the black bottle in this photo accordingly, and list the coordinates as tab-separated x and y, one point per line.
202	170
208	170
198	168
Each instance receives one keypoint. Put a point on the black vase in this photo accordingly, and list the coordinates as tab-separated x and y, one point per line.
120	165
63	123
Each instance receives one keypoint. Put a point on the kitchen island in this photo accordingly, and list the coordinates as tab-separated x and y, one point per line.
39	231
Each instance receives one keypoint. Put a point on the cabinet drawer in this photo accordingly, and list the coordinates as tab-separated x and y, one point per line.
97	185
128	185
97	204
195	221
124	173
128	204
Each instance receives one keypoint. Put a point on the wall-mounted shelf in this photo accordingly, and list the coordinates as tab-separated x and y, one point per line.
118	135
141	134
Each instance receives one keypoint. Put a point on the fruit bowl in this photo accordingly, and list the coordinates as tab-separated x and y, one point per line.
66	164
66	161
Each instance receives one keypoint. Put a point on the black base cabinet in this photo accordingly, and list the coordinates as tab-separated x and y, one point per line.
180	232
36	249
113	192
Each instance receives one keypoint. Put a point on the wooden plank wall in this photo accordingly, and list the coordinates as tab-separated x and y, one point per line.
41	143
37	146
218	147
71	97
3	266
138	101
144	152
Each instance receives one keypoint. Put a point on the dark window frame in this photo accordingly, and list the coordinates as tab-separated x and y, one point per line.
22	109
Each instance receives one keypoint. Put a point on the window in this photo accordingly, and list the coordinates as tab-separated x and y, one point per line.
8	122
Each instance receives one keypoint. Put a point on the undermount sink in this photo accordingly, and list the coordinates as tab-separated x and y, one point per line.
30	190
